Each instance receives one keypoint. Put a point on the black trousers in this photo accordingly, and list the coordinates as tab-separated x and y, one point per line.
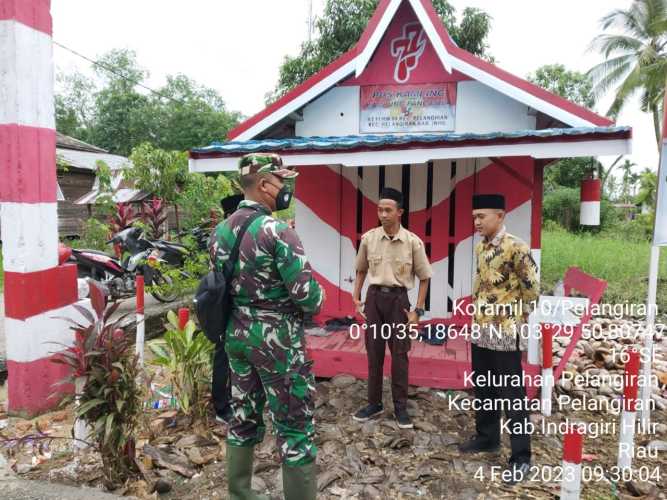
385	306
490	364
221	389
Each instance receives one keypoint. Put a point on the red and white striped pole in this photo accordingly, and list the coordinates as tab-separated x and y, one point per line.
37	289
547	368
141	323
183	317
589	214
626	440
570	487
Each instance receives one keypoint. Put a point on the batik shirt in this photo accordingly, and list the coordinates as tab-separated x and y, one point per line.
272	274
505	289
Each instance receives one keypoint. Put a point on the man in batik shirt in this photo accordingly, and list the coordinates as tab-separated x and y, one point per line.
505	289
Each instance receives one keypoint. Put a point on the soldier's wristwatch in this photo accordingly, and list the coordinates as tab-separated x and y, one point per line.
419	311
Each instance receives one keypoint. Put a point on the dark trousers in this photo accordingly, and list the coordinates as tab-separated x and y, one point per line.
221	389
385	306
489	363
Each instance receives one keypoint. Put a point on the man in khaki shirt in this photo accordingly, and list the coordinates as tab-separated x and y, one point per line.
391	257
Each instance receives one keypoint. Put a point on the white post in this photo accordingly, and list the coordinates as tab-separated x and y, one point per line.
645	410
81	429
533	351
141	324
659	239
547	368
627	431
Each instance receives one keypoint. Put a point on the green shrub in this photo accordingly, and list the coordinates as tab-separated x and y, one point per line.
639	230
186	356
563	206
94	235
111	400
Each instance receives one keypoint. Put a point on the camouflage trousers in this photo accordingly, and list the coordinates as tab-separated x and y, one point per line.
268	364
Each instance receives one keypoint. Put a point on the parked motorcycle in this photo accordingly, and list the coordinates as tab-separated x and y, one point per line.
118	276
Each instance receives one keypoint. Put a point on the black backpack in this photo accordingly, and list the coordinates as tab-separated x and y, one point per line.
212	300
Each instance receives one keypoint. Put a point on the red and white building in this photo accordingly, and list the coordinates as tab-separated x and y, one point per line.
407	108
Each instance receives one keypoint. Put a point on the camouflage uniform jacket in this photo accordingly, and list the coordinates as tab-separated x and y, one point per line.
504	291
272	274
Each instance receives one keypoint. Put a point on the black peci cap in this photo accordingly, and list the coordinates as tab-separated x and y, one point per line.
496	201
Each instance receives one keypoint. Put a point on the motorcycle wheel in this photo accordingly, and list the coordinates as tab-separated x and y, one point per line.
161	280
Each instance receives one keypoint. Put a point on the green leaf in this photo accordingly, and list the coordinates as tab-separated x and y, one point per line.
108	427
173	319
87	406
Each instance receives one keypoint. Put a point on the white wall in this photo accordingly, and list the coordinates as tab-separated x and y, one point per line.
479	109
335	112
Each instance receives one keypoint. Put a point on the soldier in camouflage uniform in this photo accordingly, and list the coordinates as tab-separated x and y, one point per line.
272	288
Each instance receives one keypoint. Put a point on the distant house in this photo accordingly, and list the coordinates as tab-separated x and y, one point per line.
77	172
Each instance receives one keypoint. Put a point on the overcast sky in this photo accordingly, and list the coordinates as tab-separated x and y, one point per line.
236	47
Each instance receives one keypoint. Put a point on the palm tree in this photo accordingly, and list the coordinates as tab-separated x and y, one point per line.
636	59
648	186
628	181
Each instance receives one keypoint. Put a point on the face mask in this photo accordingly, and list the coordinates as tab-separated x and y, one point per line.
284	198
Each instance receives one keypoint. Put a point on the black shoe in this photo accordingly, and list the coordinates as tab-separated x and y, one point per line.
403	419
516	473
477	445
365	414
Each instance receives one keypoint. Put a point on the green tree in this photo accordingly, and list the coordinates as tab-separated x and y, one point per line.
157	171
572	85
75	104
575	87
201	194
118	113
628	183
343	23
124	116
648	188
635	58
190	115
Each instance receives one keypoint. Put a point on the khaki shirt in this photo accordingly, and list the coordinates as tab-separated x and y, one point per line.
393	262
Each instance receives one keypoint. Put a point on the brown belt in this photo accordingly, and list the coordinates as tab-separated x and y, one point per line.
388	289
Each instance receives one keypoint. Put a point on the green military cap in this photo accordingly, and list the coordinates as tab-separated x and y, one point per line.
260	163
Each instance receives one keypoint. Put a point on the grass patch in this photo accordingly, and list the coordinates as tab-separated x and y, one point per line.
623	264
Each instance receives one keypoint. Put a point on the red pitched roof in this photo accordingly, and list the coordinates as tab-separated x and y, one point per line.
496	77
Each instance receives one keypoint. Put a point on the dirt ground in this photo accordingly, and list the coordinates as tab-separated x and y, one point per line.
362	461
371	460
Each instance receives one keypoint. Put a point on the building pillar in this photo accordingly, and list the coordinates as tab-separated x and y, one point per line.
37	289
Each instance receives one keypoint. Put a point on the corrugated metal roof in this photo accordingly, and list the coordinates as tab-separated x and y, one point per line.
67	142
88	160
123	191
378	141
